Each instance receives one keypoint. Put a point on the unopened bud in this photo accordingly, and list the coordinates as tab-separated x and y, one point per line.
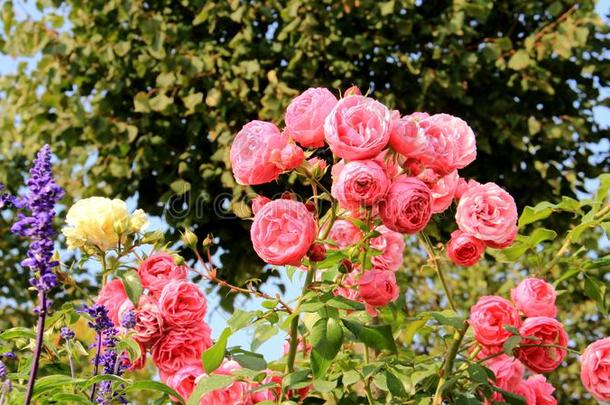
317	252
346	266
311	206
352	91
189	238
287	195
208	241
121	226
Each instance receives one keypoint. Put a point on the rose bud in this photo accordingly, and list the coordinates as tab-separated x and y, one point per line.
317	252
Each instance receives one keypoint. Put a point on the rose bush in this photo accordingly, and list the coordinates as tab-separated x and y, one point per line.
351	336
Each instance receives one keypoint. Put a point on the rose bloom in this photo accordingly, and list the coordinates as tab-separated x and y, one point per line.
489	316
526	391
508	371
389	162
258	202
238	393
543	391
158	270
358	127
113	297
305	116
488	213
181	346
463	249
451	142
348	287
282	232
547	331
344	233
443	192
182	303
94	222
289	157
407	137
407	206
535	297
595	369
391	244
183	379
358	184
378	288
149	322
252	153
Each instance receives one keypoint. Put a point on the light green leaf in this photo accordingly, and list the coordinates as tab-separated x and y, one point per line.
213	357
208	384
377	337
149	385
132	283
520	60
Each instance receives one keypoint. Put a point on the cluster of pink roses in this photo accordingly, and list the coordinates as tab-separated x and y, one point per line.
543	339
393	171
170	323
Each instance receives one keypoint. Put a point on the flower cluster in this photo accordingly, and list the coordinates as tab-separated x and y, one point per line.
43	193
391	173
542	344
169	320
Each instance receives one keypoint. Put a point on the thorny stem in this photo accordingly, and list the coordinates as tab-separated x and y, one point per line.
434	262
294	324
448	365
42	315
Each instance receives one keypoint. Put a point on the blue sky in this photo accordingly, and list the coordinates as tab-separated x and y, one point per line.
216	317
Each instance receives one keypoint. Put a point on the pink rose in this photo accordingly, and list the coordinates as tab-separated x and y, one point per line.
271	393
282	232
289	157
390	163
595	369
488	213
535	297
526	391
348	288
543	391
508	371
149	322
358	184
182	303
546	331
391	244
451	141
407	137
407	206
358	127
183	380
258	202
113	296
181	346
158	270
344	233
305	116
489	316
463	249
443	191
238	393
253	150
378	288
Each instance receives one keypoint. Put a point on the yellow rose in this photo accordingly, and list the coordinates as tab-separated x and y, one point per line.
97	221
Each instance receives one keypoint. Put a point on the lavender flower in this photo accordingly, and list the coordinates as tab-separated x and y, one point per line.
43	193
66	333
129	320
100	321
8	356
2	370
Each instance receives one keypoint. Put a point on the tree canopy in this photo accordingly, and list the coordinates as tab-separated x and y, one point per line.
142	98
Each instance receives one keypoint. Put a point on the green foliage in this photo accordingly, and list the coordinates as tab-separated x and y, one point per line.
143	98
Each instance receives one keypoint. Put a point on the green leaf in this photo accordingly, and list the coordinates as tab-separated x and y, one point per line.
208	384
18	332
212	358
160	102
377	337
240	319
132	283
520	60
395	385
324	386
510	344
327	337
43	384
149	385
350	377
479	373
596	290
192	100
131	346
67	398
250	360
141	102
262	333
449	318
